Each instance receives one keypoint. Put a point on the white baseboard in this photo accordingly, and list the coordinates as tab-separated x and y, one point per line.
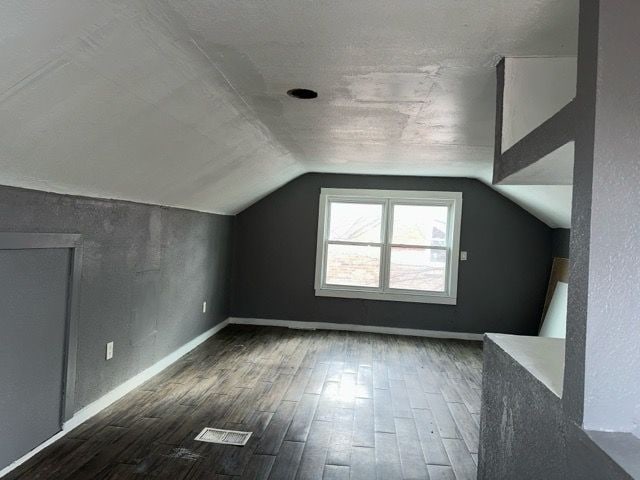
411	332
117	393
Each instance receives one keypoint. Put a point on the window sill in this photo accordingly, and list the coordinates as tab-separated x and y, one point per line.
387	297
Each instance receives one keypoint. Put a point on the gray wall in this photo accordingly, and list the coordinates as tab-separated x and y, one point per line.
524	432
602	367
560	242
602	377
146	272
501	286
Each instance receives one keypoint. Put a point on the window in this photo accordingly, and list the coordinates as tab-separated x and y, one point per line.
388	245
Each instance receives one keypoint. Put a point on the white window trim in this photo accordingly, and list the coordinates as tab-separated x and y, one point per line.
452	199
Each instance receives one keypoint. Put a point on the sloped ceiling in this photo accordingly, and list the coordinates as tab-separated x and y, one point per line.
183	103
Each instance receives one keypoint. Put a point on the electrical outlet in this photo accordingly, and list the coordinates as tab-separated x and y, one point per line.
204	307
109	350
463	256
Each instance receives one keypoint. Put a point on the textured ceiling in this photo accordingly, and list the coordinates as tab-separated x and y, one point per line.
183	103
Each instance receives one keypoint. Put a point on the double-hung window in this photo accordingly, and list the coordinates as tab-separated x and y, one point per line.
388	245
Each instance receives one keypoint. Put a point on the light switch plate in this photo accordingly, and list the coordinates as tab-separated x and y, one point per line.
463	256
109	350
204	307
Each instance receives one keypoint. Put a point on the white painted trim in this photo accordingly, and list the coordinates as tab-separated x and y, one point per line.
410	332
358	193
117	393
388	296
388	198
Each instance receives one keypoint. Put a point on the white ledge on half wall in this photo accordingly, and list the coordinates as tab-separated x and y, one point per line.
410	332
541	356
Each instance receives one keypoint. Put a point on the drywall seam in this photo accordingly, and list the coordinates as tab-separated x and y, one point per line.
409	332
117	393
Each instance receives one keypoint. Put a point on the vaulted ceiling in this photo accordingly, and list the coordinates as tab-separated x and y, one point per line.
183	102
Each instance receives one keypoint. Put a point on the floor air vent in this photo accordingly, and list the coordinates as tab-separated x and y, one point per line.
225	437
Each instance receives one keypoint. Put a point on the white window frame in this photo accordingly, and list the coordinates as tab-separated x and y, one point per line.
388	198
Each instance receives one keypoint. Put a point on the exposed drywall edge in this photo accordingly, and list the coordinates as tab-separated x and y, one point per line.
409	332
117	393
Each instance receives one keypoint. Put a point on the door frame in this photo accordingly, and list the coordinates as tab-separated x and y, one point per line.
72	241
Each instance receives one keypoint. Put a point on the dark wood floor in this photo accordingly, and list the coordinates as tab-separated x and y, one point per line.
332	405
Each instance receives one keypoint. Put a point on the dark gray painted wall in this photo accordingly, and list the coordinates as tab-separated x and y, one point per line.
33	317
581	209
146	271
524	432
560	242
501	286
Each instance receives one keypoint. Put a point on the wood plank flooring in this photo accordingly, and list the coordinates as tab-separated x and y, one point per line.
321	404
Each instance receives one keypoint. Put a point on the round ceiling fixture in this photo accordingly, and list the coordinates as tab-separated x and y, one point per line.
303	93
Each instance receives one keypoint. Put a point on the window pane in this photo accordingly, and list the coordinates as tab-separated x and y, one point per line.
418	269
355	222
420	225
353	265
